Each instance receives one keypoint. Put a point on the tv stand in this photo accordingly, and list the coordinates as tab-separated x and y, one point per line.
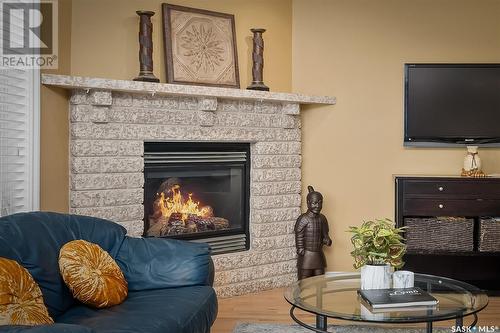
454	196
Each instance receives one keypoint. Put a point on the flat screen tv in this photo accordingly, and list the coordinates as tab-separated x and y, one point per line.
452	104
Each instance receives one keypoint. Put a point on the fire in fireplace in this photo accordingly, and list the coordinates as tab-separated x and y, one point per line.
176	214
199	192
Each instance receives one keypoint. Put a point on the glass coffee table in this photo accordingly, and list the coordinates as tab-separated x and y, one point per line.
335	296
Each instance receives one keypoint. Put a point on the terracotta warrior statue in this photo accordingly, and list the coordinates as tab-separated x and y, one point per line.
311	233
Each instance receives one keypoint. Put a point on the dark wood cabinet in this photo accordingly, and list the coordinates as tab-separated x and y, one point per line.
421	196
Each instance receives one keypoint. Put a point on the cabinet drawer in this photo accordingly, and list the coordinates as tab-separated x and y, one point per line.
450	207
466	188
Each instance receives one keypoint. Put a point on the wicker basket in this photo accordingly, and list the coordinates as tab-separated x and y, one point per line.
451	234
489	235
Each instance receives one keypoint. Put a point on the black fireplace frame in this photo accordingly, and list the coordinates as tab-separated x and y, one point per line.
158	146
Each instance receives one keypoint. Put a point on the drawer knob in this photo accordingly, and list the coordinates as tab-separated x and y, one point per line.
441	189
441	206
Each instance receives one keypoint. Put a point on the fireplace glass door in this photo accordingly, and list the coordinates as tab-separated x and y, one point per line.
197	191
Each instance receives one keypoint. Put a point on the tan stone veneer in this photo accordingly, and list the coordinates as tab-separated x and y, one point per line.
108	128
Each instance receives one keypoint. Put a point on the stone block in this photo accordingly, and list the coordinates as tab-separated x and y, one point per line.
99	97
254	273
207	103
259	230
275	121
115	213
224	262
275	201
291	108
276	161
99	114
106	148
273	188
276	148
267	107
239	119
276	242
169	102
255	285
106	181
79	96
272	175
100	198
229	105
122	99
206	118
298	122
106	164
245	106
188	103
288	122
89	113
136	116
147	100
275	215
80	112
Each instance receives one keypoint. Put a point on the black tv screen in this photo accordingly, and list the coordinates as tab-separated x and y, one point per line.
452	104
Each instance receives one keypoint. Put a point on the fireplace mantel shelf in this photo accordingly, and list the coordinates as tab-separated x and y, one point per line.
89	83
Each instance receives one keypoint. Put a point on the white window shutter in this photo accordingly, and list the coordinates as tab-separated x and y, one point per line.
19	138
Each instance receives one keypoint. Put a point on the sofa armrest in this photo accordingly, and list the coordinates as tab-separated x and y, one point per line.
153	263
54	328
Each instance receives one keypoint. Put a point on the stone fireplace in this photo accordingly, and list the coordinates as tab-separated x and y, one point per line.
116	128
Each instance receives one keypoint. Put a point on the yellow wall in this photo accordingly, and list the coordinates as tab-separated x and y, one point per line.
105	42
54	125
355	50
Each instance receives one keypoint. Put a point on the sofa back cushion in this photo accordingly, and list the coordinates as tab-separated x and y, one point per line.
34	240
155	263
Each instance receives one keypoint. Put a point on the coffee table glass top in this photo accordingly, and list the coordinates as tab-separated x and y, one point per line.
335	296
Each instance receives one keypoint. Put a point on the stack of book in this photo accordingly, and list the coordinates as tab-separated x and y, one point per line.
398	298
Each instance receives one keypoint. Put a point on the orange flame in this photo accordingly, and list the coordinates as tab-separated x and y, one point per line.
177	204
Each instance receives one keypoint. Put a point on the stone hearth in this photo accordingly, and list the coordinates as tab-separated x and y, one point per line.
111	119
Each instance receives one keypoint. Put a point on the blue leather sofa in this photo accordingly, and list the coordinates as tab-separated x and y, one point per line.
169	281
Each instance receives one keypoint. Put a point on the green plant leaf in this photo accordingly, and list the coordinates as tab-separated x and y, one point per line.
384	233
377	242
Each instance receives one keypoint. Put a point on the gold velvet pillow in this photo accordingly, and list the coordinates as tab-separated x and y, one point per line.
21	300
91	274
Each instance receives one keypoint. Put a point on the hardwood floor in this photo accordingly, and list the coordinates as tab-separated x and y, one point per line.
270	306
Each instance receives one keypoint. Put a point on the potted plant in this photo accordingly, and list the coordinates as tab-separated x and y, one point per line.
378	245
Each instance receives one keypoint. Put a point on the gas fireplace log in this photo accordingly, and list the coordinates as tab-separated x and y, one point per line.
192	224
168	184
175	217
220	223
208	211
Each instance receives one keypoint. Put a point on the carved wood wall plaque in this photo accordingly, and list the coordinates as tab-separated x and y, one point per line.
200	47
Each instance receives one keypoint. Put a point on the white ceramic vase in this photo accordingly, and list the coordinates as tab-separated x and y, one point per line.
403	279
375	277
472	160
